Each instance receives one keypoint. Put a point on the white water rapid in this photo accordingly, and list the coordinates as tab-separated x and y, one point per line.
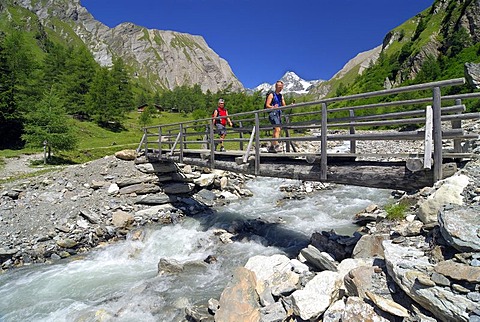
120	282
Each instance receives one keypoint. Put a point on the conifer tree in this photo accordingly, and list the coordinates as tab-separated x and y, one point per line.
16	90
48	124
81	69
123	96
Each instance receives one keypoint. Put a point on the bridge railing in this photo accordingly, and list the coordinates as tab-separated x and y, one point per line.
331	119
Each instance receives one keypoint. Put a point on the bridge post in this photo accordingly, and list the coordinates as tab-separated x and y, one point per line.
257	144
159	142
145	133
240	125
180	158
323	154
457	124
437	135
353	143
170	145
206	140
212	146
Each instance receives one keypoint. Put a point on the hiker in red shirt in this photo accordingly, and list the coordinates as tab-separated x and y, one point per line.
220	120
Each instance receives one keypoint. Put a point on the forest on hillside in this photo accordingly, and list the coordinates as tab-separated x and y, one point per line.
48	83
41	95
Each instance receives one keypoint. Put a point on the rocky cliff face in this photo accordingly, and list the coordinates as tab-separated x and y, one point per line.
430	34
164	59
455	16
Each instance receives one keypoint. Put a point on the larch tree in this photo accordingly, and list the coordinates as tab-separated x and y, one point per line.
49	125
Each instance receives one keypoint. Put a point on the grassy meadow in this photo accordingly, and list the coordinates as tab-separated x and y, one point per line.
95	142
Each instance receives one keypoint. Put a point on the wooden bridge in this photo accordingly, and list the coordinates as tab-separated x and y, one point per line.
431	119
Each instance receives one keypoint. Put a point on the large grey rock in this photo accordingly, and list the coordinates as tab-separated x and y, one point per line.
178	188
123	182
154	199
274	273
152	211
321	291
320	260
140	189
359	280
449	191
461	228
458	271
370	246
205	180
402	263
340	247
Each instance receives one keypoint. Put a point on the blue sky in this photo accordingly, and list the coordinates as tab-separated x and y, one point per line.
262	39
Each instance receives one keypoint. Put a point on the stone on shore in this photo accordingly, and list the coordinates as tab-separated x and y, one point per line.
153	199
461	228
320	260
457	271
127	155
274	274
404	264
317	295
370	246
122	219
239	300
449	191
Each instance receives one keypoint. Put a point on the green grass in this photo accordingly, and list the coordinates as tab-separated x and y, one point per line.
397	211
96	142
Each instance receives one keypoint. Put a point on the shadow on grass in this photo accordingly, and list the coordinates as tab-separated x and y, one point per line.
53	160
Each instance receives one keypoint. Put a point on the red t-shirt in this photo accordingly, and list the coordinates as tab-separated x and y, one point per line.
222	112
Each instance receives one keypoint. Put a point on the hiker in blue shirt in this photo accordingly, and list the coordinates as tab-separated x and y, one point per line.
275	100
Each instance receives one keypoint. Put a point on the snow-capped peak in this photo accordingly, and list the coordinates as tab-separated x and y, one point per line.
292	84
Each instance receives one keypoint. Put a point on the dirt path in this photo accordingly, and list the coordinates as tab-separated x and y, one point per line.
20	165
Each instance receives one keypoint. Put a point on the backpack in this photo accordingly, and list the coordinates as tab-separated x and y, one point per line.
266	97
218	118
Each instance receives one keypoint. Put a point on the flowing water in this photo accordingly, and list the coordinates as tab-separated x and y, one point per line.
121	282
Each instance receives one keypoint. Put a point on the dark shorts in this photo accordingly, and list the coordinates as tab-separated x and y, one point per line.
221	129
275	117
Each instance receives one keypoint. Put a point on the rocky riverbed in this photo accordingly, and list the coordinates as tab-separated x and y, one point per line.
423	268
70	211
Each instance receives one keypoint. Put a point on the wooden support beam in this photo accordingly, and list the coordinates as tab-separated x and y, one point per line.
384	175
457	124
437	135
324	147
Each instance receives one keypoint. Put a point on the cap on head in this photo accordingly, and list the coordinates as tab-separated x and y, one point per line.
221	101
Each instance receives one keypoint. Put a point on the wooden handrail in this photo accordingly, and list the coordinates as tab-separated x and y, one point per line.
253	126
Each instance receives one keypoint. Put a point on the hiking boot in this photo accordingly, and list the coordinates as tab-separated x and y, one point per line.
271	149
222	149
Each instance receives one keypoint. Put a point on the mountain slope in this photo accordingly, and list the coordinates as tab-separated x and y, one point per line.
433	45
159	59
